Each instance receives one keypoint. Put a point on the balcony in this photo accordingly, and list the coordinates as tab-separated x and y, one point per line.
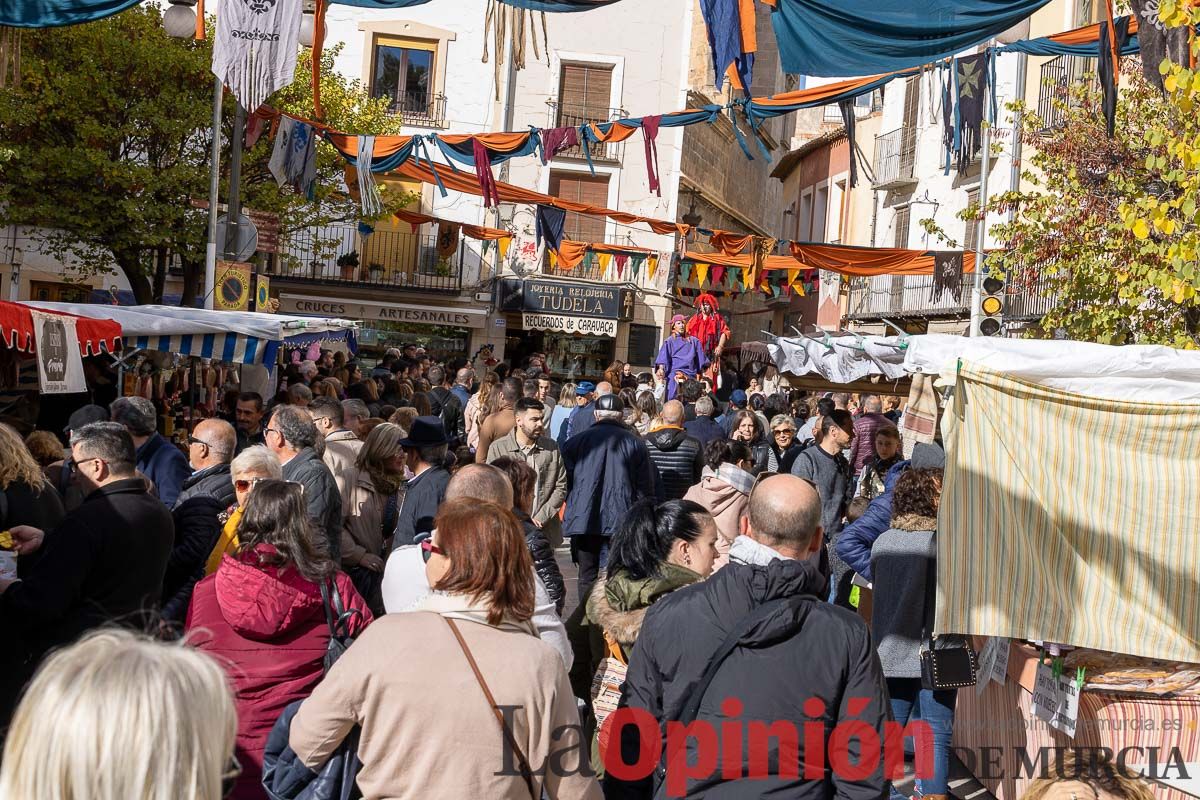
567	115
895	156
419	109
393	259
897	297
1061	75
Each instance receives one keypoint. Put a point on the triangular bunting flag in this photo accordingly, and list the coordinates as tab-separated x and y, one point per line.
553	259
774	289
589	260
605	260
483	248
718	275
793	275
652	266
638	261
685	271
620	258
746	281
503	245
701	274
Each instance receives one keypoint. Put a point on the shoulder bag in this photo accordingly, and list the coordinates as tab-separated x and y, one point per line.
606	686
950	665
522	761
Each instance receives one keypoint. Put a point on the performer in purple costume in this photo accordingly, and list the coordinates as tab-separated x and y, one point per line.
681	357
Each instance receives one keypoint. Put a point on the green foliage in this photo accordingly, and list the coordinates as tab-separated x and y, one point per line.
1109	224
105	145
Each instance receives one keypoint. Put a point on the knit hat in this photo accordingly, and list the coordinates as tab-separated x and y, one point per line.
928	456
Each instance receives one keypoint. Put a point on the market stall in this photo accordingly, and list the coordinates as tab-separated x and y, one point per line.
187	359
1083	600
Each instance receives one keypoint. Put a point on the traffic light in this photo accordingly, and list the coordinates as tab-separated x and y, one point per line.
992	306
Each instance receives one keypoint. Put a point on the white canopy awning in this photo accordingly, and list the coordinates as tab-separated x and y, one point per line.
245	337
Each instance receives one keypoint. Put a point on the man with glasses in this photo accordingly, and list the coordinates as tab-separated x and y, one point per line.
341	446
104	563
292	436
205	494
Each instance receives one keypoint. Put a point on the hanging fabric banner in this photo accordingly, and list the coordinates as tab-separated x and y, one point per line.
652	266
718	275
701	274
548	224
947	273
294	157
503	245
970	87
369	199
60	367
447	239
255	50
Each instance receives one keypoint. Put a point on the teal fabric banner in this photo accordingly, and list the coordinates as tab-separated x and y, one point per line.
55	13
848	38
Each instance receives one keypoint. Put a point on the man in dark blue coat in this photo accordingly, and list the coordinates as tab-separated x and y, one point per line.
608	470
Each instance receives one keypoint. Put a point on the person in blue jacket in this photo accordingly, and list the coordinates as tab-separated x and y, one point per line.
854	546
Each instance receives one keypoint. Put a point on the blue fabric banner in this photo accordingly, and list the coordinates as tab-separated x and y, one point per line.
55	13
839	38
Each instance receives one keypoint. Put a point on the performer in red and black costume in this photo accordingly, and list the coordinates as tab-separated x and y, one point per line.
709	327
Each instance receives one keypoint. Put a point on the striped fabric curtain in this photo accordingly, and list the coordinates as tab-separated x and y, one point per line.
1070	518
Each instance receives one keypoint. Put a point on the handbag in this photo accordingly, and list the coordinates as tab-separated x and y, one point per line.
284	776
951	666
606	687
522	761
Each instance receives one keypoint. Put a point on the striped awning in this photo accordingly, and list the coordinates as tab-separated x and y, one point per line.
233	348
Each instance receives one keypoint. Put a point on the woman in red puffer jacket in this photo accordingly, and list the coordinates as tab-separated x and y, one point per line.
261	615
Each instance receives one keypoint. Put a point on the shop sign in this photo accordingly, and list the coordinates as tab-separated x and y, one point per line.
536	296
386	312
588	326
233	286
60	367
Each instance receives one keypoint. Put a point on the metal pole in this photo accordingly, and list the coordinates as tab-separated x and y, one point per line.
214	188
1014	174
985	166
235	179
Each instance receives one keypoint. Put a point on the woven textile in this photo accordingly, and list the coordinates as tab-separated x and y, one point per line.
1069	518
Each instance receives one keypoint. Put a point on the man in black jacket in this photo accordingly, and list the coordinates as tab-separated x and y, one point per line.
445	404
704	427
425	449
803	660
678	457
104	562
291	436
204	495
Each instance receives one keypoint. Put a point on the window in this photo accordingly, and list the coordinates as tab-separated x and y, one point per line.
806	216
584	93
53	292
644	341
1087	12
581	188
901	227
820	213
971	234
908	134
403	73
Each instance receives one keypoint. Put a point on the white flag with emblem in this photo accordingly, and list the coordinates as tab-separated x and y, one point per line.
255	50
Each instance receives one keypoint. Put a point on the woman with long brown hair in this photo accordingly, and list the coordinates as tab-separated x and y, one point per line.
478	407
468	648
370	506
263	615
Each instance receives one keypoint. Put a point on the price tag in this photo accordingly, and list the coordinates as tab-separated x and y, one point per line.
1066	713
999	671
1045	693
987	656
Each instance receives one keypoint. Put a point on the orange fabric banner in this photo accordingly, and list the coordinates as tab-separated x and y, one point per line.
479	232
731	244
571	253
842	259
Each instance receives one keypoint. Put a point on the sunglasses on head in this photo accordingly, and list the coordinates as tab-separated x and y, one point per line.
428	548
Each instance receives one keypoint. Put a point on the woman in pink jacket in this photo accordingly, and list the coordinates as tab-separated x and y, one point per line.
724	490
262	616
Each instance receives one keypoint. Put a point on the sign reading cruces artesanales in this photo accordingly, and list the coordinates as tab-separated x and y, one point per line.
562	306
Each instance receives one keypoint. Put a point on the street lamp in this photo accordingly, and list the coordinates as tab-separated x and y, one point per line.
180	19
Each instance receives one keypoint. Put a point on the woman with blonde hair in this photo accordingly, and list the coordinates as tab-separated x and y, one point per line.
118	716
479	406
562	410
370	507
426	717
29	499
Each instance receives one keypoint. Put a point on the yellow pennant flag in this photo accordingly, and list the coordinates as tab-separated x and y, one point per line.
701	274
652	266
747	275
793	275
503	245
553	259
605	261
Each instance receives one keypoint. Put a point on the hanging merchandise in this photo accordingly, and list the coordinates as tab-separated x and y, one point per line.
294	159
255	50
970	89
649	134
447	239
372	203
1108	68
830	38
947	273
548	224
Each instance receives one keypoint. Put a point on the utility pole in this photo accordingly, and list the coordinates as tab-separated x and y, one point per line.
985	166
214	189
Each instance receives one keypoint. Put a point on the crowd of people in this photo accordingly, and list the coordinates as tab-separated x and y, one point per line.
415	510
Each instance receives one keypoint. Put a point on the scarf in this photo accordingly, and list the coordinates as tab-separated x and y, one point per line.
733	475
460	607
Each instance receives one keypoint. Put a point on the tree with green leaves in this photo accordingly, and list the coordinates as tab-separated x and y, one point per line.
106	143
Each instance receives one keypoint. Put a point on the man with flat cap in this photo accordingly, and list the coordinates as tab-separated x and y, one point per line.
425	450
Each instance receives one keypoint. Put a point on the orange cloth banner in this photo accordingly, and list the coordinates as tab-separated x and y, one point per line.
842	259
731	244
473	231
571	253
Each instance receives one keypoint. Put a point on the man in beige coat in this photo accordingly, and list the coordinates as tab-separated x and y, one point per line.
527	442
341	446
